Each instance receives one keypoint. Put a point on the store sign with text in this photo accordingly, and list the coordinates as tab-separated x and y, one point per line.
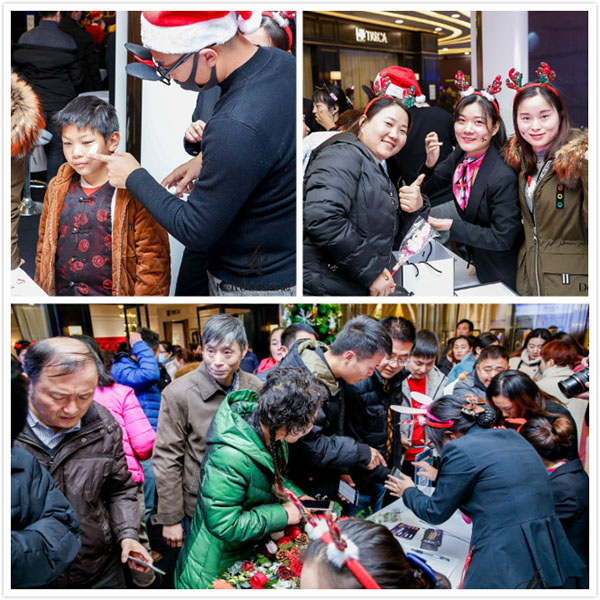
366	35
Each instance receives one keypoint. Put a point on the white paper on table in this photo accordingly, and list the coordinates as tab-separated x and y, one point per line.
22	285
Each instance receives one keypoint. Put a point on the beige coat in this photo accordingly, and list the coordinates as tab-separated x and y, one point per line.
186	411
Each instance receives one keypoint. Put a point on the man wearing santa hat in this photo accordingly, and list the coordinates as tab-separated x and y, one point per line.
241	209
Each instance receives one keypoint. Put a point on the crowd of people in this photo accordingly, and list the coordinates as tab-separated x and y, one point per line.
103	229
184	442
514	208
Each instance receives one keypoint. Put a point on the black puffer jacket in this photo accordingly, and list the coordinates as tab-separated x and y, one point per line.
318	459
367	405
53	73
352	219
44	536
89	468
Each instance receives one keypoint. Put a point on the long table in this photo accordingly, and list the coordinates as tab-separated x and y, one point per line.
450	557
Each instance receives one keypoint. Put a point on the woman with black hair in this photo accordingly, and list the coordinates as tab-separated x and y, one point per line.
483	188
242	497
496	478
516	399
379	553
353	213
528	361
329	102
569	482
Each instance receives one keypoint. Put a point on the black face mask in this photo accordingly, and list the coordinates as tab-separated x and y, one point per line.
190	84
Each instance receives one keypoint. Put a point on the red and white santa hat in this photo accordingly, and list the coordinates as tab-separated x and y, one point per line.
183	31
395	81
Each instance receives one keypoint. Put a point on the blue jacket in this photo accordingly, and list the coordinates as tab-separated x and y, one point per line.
466	365
496	478
143	376
44	535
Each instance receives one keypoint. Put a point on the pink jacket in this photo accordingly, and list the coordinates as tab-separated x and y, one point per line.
138	435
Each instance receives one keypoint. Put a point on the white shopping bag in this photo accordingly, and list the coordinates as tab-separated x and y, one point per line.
429	272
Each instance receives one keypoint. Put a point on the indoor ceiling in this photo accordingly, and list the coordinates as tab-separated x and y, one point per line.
452	26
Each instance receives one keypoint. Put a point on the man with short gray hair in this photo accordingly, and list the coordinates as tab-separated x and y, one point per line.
186	412
80	444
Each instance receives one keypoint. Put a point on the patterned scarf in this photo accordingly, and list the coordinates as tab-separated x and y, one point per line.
463	179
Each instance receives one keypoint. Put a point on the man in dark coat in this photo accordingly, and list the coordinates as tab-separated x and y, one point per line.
369	418
47	59
320	458
88	52
81	444
491	361
44	532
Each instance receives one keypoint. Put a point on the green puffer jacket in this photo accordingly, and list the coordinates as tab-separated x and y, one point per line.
553	260
236	503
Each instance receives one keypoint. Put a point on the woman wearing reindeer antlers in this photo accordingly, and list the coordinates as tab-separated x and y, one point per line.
552	164
483	186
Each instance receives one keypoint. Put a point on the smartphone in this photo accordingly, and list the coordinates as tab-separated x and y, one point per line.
145	564
317	504
396	472
350	493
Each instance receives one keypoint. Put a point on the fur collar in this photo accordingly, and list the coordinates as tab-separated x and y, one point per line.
568	161
26	117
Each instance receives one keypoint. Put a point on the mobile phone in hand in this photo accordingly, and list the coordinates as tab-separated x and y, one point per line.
350	493
145	564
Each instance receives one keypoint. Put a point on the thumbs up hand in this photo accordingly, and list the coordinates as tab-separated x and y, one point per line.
410	195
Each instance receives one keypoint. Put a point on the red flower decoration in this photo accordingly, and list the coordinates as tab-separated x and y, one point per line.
84	288
102	215
107	284
248	566
285	573
84	246
63	230
284	540
108	241
293	532
221	584
296	566
258	580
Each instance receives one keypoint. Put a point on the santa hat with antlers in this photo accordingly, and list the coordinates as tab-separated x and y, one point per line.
489	93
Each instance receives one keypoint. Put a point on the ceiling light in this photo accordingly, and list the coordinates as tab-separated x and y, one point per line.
455	16
399	21
438	29
467	53
444	49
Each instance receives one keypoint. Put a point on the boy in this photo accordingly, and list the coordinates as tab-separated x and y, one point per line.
424	378
94	240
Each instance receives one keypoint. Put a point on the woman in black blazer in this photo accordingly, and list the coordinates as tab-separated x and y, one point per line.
484	189
496	478
569	482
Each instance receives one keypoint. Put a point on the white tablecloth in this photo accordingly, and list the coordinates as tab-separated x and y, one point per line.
450	557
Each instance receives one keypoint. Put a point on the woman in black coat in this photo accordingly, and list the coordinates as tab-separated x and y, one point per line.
484	190
516	398
352	211
497	479
569	482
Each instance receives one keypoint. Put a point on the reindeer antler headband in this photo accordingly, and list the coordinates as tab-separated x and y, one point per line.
545	77
489	93
340	551
283	18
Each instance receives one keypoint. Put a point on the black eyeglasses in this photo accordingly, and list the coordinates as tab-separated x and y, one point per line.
164	74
